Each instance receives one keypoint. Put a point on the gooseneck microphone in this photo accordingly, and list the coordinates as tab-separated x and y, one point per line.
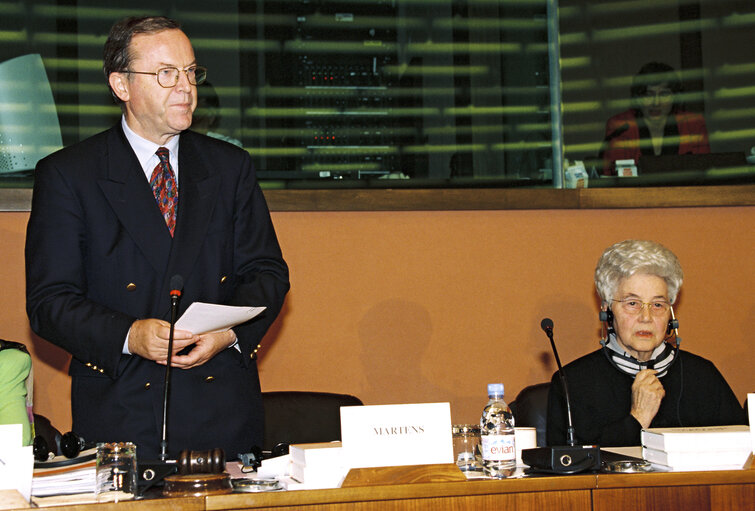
212	461
566	459
176	285
547	325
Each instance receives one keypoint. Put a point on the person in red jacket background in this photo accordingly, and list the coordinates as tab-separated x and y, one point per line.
656	124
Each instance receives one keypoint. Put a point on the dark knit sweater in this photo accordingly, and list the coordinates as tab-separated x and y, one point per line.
601	397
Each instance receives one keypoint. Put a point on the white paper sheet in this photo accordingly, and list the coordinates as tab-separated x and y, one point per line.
201	318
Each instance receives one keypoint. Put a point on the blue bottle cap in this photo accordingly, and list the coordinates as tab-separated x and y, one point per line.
495	389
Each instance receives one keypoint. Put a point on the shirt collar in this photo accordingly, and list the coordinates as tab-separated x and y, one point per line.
145	149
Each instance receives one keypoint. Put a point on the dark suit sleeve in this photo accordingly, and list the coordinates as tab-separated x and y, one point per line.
56	283
261	274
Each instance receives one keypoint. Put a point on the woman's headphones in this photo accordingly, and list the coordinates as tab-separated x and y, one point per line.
606	318
624	362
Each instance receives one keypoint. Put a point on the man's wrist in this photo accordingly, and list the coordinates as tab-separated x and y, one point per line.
125	349
235	343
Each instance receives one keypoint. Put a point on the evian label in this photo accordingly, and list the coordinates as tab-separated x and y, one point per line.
498	447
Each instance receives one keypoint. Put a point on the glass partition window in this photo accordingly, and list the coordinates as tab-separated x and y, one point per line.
662	88
426	93
404	90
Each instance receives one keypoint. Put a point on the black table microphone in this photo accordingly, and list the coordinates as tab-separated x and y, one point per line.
565	459
212	461
547	325
176	285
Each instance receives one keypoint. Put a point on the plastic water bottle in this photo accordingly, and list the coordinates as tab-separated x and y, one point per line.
497	435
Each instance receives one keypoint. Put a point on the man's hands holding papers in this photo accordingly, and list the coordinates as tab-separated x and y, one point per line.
148	338
204	327
206	347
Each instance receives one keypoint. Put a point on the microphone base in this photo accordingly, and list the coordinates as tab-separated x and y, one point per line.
153	473
563	459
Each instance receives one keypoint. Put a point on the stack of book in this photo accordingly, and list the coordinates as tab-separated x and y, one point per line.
65	476
697	448
318	465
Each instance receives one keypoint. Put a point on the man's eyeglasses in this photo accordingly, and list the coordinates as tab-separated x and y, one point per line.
167	77
632	306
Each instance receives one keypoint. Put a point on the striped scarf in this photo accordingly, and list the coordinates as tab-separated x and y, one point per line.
660	360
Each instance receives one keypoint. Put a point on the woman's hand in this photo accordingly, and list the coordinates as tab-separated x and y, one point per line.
647	394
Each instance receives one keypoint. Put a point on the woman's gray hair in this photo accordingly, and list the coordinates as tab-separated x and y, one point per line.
629	257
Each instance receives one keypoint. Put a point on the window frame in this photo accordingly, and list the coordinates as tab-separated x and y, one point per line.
456	199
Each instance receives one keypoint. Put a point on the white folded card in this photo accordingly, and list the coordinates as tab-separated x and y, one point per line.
392	435
16	461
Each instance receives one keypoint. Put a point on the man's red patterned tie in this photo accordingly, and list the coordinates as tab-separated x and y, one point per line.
164	188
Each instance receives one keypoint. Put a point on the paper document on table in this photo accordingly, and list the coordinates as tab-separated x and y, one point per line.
201	318
70	479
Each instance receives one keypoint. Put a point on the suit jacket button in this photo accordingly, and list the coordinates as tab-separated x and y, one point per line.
131	287
209	379
223	279
147	386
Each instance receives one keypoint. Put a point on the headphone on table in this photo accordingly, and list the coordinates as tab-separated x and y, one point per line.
69	445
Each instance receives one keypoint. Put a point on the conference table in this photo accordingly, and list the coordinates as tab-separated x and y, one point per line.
689	491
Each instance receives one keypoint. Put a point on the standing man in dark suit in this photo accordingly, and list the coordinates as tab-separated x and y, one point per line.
101	252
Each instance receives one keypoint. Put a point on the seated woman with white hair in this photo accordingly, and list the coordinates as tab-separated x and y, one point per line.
638	378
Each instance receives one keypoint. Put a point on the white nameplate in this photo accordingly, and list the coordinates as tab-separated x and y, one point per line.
16	461
392	435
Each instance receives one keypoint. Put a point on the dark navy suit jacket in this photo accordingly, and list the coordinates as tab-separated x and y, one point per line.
99	256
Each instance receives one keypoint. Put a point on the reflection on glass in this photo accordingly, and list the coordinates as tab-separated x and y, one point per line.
687	117
29	128
658	123
404	90
435	93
